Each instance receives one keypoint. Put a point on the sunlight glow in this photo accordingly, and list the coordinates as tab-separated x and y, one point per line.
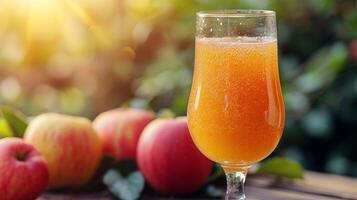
43	23
87	20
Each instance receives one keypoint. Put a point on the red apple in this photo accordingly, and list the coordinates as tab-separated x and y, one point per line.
120	129
23	171
70	146
169	160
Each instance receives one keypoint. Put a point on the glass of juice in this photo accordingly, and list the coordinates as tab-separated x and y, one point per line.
236	110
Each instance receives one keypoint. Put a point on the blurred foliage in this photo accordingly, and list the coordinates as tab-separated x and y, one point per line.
84	57
128	188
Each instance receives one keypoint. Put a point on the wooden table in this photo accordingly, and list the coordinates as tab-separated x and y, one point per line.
315	186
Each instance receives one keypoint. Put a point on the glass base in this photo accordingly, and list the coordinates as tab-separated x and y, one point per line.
235	181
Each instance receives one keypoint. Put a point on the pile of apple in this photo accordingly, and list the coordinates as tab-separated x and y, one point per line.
60	151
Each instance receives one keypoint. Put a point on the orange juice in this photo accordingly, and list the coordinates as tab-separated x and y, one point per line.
236	111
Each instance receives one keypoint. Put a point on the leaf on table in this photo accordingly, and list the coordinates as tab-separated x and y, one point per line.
214	192
282	168
128	188
15	120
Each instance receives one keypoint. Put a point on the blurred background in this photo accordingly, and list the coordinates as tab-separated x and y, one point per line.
85	57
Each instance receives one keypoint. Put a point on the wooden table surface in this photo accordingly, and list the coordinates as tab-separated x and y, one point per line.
315	186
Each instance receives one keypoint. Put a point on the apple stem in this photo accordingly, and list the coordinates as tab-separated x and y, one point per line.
21	156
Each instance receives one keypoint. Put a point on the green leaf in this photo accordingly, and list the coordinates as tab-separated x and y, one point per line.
217	174
15	120
214	192
128	188
282	168
5	130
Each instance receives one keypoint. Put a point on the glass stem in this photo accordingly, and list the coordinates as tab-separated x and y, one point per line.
235	182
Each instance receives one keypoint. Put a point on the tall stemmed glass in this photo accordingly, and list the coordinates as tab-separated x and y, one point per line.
236	110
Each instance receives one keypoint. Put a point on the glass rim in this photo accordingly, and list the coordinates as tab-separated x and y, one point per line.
236	13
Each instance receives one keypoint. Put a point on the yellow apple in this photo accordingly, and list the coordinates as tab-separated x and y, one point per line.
70	146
